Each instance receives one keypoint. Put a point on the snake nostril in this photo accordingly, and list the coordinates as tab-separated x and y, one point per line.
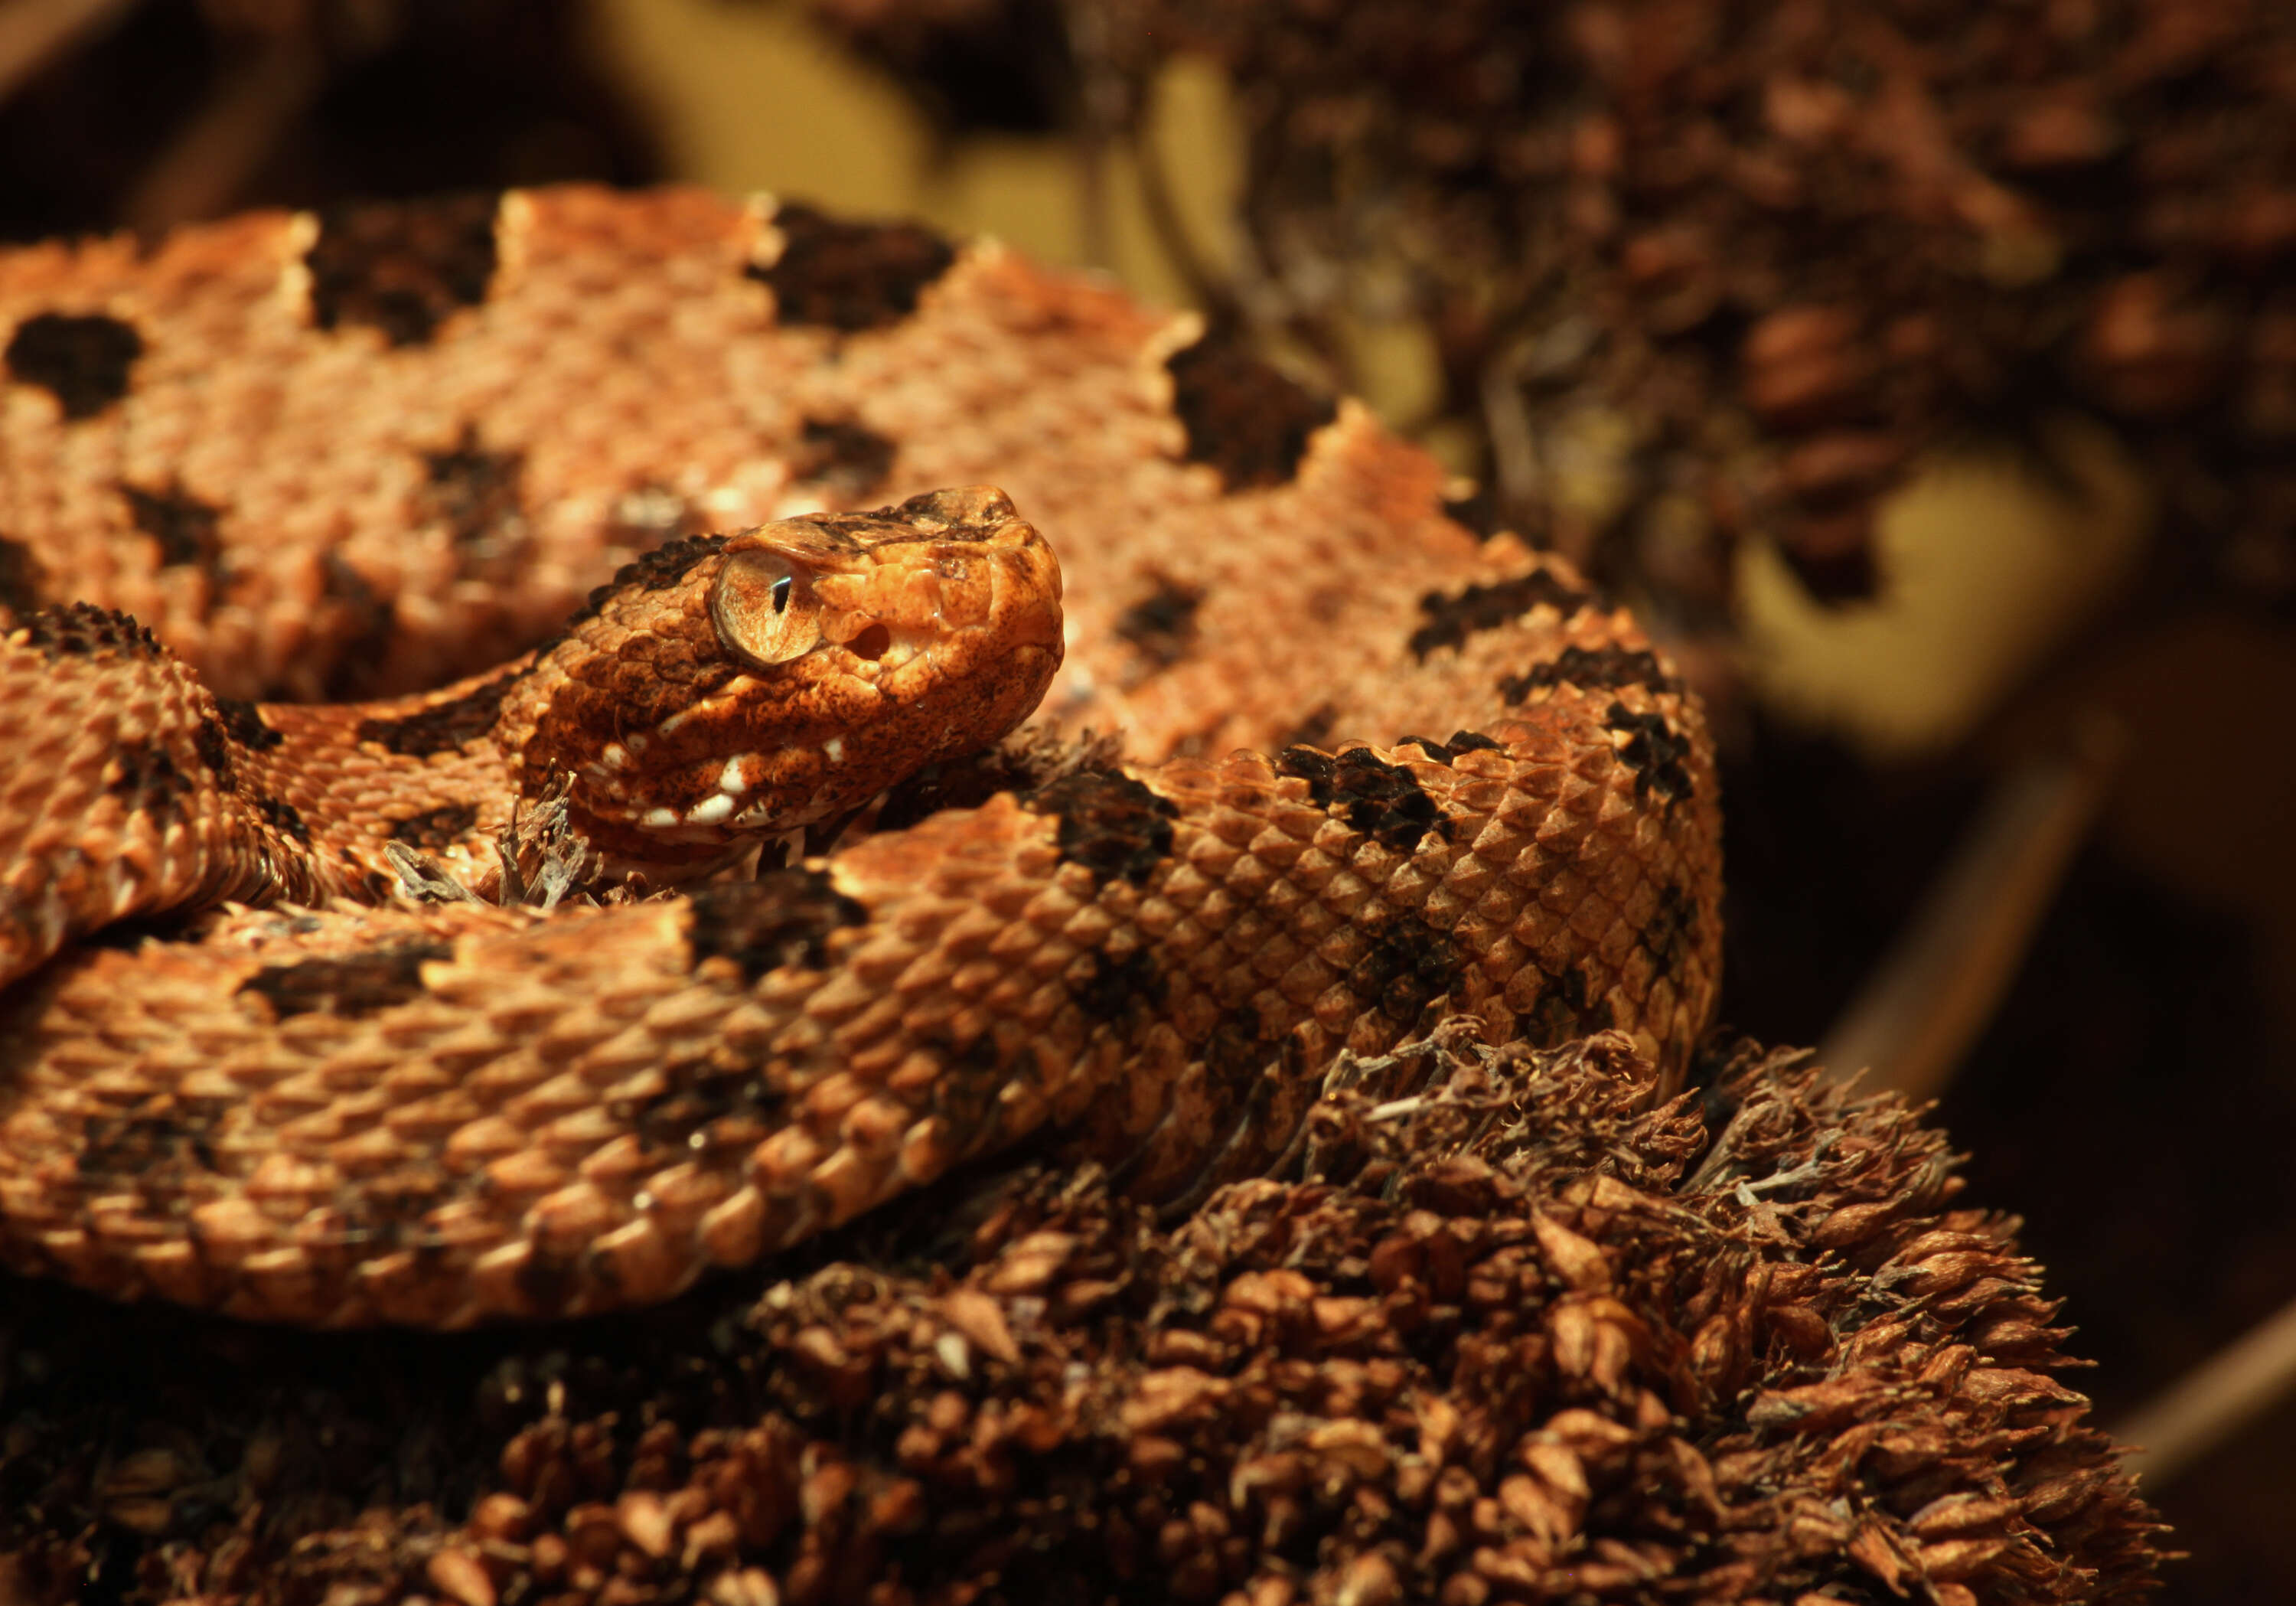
872	643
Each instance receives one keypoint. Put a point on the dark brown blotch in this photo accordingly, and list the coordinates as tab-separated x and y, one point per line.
784	917
473	493
1655	750
1452	618
967	1093
1665	936
1461	741
1406	966
1243	417
1479	512
1563	1012
352	985
1240	1049
20	578
1161	626
850	276
241	725
181	525
435	829
402	267
1314	730
1113	989
368	621
81	630
233	728
147	777
700	1093
846	459
155	1152
1599	669
84	360
442	726
1385	801
283	817
1110	824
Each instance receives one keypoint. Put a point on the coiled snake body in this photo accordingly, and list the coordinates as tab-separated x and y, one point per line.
342	460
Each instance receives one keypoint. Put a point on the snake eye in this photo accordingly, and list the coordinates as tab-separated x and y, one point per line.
763	607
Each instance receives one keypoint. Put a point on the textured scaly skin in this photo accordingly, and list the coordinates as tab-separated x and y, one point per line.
438	1115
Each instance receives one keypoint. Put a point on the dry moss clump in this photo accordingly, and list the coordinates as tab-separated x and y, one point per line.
1527	1339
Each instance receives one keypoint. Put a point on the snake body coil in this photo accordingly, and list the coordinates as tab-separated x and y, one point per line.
361	456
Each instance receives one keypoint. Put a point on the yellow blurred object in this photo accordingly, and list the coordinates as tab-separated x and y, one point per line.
1986	563
755	98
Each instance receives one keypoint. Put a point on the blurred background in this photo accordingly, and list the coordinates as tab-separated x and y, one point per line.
1923	371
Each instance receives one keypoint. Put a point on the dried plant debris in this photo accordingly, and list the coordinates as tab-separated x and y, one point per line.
1693	268
1520	1333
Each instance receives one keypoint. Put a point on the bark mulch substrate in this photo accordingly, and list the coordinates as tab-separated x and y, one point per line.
1527	1336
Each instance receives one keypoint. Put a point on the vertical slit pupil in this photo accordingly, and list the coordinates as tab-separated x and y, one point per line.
782	594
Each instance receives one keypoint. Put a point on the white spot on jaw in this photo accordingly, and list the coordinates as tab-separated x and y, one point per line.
833	750
710	809
732	779
615	754
659	816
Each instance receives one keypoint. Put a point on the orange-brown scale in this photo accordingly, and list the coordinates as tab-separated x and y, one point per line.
335	485
927	630
445	1116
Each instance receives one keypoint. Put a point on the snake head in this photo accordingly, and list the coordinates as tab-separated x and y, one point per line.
740	685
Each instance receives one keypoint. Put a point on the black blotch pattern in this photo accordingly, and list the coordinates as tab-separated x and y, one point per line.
1110	824
283	817
1314	730
353	984
783	917
1162	624
373	620
81	359
966	1095
1667	937
442	726
1653	750
437	827
1240	1049
850	275
1602	669
234	726
181	525
1385	801
1563	1012
1408	965
1242	417
243	722
1452	618
78	629
473	493
1113	988
21	576
402	267
149	1152
149	777
1477	511
701	1092
847	457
